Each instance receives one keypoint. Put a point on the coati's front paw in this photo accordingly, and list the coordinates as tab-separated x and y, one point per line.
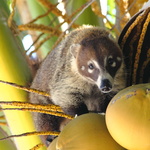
76	110
49	139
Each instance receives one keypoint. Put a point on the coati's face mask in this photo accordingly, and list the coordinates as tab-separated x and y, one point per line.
98	61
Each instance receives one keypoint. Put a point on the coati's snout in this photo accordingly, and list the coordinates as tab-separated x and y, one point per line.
105	86
105	82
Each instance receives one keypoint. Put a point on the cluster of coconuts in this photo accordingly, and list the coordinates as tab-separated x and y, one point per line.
126	125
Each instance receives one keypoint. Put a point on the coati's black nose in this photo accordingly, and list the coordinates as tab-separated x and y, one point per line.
105	86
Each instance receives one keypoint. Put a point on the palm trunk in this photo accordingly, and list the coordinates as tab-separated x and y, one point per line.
14	68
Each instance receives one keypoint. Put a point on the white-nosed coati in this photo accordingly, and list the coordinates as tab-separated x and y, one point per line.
81	74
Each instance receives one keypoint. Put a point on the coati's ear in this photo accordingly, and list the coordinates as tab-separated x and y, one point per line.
74	48
111	36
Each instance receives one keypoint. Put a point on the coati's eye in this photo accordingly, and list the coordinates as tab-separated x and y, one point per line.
91	66
111	62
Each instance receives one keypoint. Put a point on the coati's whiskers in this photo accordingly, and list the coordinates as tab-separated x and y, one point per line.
26	88
50	107
59	114
55	133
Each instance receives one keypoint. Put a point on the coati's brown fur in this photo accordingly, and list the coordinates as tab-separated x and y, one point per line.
82	74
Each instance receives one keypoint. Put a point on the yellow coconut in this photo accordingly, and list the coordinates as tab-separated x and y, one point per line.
128	117
86	132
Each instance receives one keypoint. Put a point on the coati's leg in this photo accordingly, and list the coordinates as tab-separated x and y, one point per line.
46	122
